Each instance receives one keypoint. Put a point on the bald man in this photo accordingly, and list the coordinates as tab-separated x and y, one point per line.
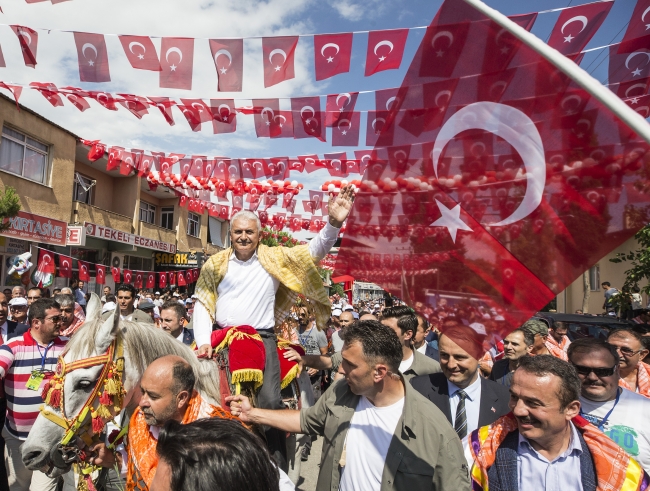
345	319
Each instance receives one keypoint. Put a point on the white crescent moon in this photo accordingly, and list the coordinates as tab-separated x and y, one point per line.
267	110
477	144
519	131
86	46
329	45
277	52
310	160
221	106
26	35
344	121
627	61
174	50
307	109
337	167
135	43
644	14
384	43
573	97
442	92
374	122
443	34
346	95
199	108
224	52
627	92
401	154
389	102
577	18
647	110
498	36
586	122
284	120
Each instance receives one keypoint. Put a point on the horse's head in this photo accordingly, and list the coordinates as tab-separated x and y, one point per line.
70	391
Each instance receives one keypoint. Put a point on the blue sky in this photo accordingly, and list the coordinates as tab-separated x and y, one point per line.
224	18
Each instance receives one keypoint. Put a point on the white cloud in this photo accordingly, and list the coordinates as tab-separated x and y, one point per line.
354	10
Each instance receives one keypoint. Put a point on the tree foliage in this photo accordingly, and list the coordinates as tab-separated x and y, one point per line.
9	206
639	261
272	238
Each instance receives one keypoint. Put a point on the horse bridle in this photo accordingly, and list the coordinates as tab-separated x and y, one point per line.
108	392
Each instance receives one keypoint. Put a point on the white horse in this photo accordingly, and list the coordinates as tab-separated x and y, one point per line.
142	344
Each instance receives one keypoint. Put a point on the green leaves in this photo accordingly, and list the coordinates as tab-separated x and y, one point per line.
9	206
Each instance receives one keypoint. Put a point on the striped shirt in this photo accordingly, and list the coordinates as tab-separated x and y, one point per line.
18	358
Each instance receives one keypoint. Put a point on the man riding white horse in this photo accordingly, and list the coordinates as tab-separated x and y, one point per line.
255	285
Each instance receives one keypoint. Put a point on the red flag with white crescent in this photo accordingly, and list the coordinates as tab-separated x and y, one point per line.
115	272
100	274
637	35
77	97
201	107
162	280
92	56
49	91
141	52
345	133
180	279
224	116
46	262
577	25
128	276
84	272
385	50
332	53
278	56
228	57
138	281
135	104
266	117
164	104
307	118
28	39
339	106
172	278
177	63
65	266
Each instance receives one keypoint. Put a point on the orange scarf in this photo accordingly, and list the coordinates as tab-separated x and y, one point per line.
555	350
642	380
141	444
615	469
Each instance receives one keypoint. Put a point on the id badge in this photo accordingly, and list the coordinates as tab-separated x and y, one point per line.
35	379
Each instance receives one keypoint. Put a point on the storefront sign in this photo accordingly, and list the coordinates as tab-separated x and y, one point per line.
15	246
36	228
179	260
94	230
76	235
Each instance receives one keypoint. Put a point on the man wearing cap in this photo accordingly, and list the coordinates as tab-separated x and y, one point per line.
148	307
158	302
18	309
539	331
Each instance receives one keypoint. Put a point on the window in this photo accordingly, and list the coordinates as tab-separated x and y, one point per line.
147	212
21	155
193	224
167	217
82	190
594	278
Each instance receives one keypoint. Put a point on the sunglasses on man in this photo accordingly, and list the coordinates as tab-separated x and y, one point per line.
599	372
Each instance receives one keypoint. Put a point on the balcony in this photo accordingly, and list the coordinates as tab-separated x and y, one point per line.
105	218
154	232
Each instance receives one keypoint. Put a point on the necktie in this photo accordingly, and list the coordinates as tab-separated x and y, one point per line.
460	425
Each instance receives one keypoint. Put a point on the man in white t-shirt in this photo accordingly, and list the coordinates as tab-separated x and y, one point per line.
379	433
621	414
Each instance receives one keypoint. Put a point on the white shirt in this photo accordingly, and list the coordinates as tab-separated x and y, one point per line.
246	295
472	409
422	349
628	424
5	332
406	364
371	431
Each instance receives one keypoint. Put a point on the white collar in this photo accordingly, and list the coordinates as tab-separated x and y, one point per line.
472	390
233	257
180	336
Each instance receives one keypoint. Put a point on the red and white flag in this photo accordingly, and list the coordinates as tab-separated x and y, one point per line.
115	272
339	106
77	97
104	98
278	56
267	117
128	276
151	280
138	282
310	163
307	118
177	63
181	279
224	116
141	52
198	105
164	104
162	280
284	129
385	50
28	39
631	68
135	104
100	274
65	266
147	163
577	25
346	131
84	272
15	90
228	56
92	56
115	156
637	34
171	278
49	91
192	115
46	262
332	53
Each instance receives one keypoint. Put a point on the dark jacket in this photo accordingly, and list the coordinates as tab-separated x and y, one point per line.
494	397
422	365
15	329
188	336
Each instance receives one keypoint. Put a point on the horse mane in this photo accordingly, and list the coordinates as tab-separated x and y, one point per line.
145	343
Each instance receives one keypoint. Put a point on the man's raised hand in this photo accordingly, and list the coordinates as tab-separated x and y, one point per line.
339	206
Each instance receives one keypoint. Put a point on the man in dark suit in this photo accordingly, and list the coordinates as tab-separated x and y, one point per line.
464	397
173	319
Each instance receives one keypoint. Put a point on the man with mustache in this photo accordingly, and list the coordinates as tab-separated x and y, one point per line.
635	374
620	413
544	443
254	285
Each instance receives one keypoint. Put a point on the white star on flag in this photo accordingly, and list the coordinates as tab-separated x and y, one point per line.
382	58
173	68
634	100
568	39
451	220
330	60
277	68
223	70
141	57
636	72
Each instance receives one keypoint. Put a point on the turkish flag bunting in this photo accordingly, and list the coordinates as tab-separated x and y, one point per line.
141	52
162	280
135	104
311	163
364	157
49	91
28	39
267	117
84	272
284	120
65	266
182	201
224	116
332	53
127	164
204	112
138	282
228	56
93	57
339	106
197	164
97	151
164	104
192	115
277	56
637	34
15	90
385	50
128	276
105	99
307	118
181	279
346	131
151	280
295	223
147	162
624	68
189	277
277	168
195	274
46	262
115	156
115	272
335	164
100	274
576	26
77	98
495	203
177	62
172	278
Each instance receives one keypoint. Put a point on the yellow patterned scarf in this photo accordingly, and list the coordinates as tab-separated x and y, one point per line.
293	267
